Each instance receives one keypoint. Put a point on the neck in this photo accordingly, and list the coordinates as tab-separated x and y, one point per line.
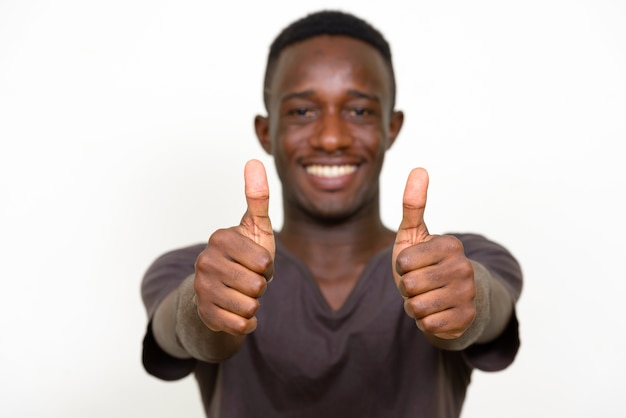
335	252
320	242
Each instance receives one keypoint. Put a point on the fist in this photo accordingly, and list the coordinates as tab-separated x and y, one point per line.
431	272
233	271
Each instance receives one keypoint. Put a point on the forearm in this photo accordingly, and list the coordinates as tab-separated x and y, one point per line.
494	307
180	332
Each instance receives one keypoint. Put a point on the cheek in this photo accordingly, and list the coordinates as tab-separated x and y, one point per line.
290	140
372	139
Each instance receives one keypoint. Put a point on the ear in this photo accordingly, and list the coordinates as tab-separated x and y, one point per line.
395	124
262	129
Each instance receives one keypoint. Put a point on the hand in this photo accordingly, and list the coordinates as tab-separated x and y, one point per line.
233	270
431	272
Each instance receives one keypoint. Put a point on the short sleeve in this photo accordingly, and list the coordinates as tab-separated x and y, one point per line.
500	353
162	277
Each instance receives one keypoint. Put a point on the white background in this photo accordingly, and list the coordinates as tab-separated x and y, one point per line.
124	127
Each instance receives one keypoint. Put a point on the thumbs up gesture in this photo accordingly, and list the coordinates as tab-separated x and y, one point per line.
431	272
233	270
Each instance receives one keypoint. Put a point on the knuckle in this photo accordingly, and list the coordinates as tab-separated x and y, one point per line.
264	264
470	315
471	290
466	287
433	325
416	307
205	259
202	261
239	326
452	243
219	237
266	261
406	286
408	308
403	262
249	310
242	326
207	317
258	286
465	268
199	286
202	286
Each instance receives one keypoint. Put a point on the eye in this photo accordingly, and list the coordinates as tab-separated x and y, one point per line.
360	111
301	111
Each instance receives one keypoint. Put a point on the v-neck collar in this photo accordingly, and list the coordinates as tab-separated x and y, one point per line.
349	304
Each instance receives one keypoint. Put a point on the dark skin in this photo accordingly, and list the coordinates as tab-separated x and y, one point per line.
324	112
330	122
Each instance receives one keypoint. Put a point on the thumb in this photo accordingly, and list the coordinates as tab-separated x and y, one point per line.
256	221
412	229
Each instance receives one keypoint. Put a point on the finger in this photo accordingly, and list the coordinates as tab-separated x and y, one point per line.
429	303
412	227
229	245
245	281
448	324
257	189
421	280
256	221
237	303
225	321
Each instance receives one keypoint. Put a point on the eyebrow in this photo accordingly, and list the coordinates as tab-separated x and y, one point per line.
308	93
362	95
297	95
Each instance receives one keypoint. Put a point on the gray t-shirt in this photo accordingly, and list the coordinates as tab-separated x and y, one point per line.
368	359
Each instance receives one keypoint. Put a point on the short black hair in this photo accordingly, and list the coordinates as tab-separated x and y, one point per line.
327	22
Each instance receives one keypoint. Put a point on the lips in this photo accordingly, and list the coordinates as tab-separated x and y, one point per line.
330	171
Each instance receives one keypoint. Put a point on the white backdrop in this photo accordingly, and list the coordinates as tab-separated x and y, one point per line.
124	127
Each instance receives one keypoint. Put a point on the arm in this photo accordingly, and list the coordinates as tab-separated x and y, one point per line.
180	332
455	300
493	309
208	315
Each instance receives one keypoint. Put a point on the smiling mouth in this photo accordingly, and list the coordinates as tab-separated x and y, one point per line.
330	171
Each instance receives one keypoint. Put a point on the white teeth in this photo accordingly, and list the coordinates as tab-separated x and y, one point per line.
330	171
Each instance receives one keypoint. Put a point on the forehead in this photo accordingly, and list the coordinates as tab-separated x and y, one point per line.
327	60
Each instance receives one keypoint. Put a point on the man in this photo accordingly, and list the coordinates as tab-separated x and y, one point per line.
334	315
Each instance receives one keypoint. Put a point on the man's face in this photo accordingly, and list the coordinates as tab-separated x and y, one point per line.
329	124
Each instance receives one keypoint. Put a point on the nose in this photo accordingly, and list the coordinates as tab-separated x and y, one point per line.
331	134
